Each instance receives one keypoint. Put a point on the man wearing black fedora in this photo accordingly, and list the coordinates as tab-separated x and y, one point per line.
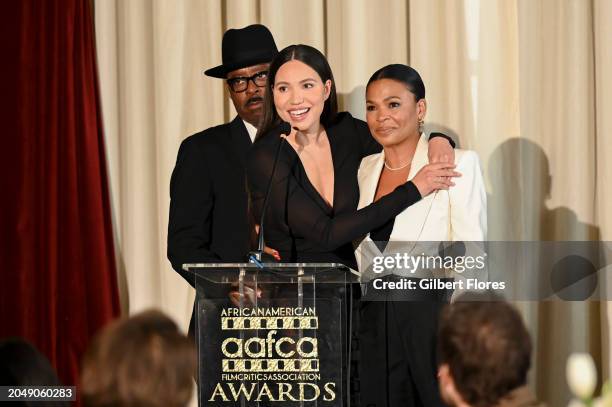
208	201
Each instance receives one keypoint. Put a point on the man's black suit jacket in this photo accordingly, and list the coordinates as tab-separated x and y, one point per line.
208	200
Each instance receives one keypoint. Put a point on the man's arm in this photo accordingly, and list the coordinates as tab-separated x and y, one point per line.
191	206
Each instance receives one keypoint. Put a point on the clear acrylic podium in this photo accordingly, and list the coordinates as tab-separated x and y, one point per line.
275	335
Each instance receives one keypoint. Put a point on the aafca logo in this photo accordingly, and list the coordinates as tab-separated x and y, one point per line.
282	365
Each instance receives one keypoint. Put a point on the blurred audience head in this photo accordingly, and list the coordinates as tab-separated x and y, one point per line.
140	361
484	351
22	365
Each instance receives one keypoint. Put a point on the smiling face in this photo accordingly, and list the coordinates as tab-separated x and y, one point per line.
392	112
249	103
300	95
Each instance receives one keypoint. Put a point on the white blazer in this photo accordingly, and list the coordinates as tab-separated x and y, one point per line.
458	214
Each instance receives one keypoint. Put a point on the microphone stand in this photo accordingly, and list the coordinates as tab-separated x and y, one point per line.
256	255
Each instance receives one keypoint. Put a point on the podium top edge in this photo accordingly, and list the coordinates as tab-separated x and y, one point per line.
188	266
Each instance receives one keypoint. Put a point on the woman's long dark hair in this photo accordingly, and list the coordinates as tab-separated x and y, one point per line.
401	73
314	59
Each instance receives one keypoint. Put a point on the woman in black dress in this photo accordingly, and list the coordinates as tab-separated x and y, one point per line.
312	210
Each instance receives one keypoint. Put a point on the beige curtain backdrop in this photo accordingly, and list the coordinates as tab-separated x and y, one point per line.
525	83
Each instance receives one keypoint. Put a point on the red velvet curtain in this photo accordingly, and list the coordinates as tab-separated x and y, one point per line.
58	277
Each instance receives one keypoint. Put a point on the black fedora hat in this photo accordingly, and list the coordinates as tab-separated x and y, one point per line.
244	47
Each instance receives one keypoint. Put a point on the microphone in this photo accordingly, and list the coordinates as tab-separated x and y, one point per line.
284	128
256	256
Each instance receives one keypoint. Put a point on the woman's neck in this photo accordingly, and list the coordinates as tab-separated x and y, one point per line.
401	154
308	136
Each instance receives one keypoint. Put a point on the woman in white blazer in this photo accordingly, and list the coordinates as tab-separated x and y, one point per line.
397	338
